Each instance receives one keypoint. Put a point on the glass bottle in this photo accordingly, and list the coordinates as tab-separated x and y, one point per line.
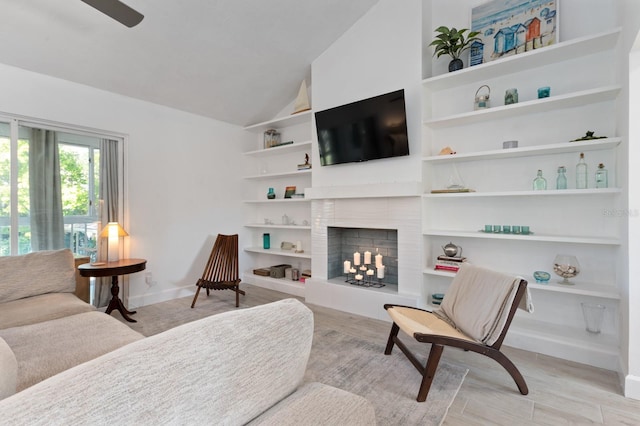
581	173
561	181
539	183
602	179
271	194
266	241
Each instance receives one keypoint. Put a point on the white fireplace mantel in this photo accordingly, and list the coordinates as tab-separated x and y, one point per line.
373	190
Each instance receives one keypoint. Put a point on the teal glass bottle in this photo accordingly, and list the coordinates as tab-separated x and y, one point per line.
266	241
561	181
539	183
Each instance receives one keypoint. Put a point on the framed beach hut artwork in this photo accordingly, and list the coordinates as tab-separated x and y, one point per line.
510	27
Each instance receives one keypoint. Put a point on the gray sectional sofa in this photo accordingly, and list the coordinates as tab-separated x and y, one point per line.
47	328
240	367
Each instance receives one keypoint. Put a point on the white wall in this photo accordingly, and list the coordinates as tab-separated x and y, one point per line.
379	54
630	19
180	173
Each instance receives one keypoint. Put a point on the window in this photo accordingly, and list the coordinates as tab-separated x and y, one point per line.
25	183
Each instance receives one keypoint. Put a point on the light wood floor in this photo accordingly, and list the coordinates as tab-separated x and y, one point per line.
560	392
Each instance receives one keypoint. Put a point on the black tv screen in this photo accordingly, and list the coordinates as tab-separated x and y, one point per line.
369	129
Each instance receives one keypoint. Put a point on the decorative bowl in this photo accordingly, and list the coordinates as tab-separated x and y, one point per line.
566	266
541	276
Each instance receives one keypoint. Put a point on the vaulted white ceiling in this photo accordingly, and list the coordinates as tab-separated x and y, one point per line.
239	61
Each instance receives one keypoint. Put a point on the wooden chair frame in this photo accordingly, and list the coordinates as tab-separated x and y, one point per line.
221	272
438	342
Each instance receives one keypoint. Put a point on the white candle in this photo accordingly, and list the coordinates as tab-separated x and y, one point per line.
378	260
299	246
347	266
370	272
363	268
381	272
352	270
358	277
367	258
356	258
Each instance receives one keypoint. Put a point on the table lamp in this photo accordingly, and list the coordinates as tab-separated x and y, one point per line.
113	231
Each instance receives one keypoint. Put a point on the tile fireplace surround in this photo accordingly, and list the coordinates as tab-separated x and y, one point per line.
396	212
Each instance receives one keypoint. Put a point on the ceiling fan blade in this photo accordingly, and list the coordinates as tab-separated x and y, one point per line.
118	11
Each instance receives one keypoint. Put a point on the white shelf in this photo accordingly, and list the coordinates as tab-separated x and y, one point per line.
278	252
569	100
567	50
289	120
278	200
280	174
279	150
579	288
549	192
526	151
261	225
576	337
284	285
531	237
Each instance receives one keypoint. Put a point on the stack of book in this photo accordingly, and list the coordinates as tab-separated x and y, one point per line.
448	263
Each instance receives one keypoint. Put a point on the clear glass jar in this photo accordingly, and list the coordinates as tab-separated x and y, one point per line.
539	183
581	173
602	178
561	180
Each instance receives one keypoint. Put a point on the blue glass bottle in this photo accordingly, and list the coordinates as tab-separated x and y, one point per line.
266	241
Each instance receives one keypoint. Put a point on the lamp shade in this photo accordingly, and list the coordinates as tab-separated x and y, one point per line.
113	229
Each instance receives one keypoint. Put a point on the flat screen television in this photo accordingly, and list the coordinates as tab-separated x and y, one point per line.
369	129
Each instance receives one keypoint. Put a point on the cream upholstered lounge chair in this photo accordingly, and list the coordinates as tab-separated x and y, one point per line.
475	315
221	272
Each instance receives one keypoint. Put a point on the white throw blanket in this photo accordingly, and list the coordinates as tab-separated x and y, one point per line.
479	300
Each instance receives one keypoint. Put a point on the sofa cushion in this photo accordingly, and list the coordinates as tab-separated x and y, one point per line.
319	404
8	370
223	369
41	308
49	347
40	272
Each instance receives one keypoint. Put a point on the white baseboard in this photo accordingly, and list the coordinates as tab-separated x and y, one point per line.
632	386
563	349
161	296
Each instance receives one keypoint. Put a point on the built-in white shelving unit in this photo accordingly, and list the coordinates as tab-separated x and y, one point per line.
582	222
285	219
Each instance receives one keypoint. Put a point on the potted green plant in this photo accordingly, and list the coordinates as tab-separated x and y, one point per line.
452	42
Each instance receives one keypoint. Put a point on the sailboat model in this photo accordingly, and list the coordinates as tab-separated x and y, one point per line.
302	101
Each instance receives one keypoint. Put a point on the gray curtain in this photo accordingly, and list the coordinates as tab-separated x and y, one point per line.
45	195
110	207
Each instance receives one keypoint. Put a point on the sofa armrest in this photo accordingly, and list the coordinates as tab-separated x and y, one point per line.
8	370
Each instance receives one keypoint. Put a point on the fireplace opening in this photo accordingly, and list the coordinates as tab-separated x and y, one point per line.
343	242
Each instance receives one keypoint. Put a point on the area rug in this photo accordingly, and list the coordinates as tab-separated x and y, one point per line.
390	382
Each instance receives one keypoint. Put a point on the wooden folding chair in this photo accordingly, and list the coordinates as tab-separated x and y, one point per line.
221	272
427	327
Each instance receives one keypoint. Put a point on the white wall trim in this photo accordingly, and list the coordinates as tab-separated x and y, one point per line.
632	387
